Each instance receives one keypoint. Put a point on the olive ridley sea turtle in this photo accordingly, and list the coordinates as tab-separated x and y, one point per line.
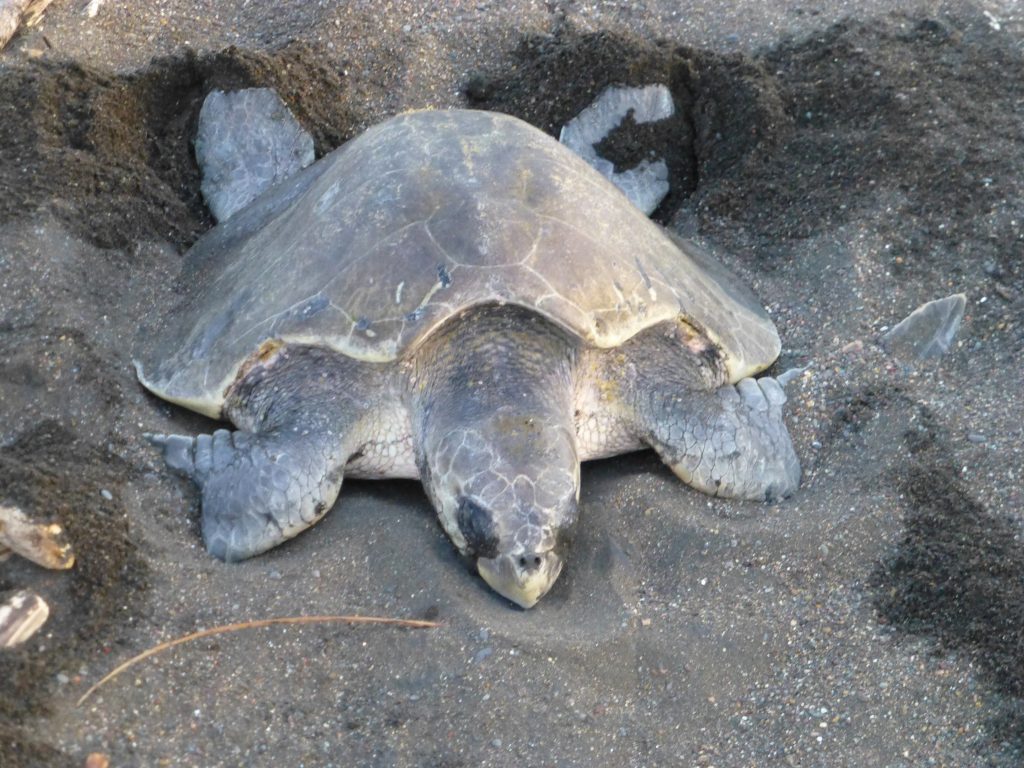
454	296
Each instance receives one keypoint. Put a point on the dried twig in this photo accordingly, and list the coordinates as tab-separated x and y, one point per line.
408	623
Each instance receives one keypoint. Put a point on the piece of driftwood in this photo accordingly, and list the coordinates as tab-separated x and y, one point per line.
14	13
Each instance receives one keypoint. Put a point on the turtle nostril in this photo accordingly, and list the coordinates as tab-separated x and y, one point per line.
530	563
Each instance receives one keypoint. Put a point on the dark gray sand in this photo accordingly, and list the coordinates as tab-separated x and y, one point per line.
849	162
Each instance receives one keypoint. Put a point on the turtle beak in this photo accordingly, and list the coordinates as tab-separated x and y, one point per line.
523	578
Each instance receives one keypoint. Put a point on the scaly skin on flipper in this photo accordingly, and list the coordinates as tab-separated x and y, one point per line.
282	472
730	443
725	440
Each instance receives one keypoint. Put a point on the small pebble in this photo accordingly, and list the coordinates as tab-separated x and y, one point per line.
1005	293
106	494
482	654
63	679
992	269
496	743
976	437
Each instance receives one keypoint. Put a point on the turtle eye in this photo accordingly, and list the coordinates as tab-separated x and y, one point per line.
477	526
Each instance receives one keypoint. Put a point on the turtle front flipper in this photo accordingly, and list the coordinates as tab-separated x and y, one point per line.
258	490
669	387
304	413
731	442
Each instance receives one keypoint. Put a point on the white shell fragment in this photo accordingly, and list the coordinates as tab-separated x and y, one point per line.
44	544
21	616
246	142
928	331
646	184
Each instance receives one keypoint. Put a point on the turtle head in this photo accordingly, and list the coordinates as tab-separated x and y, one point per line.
521	564
507	499
496	443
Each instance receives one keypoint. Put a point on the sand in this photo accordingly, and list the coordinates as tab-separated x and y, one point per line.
849	161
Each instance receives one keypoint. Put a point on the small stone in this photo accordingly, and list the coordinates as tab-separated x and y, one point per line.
1005	293
97	760
482	654
976	437
106	494
479	87
63	679
496	743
